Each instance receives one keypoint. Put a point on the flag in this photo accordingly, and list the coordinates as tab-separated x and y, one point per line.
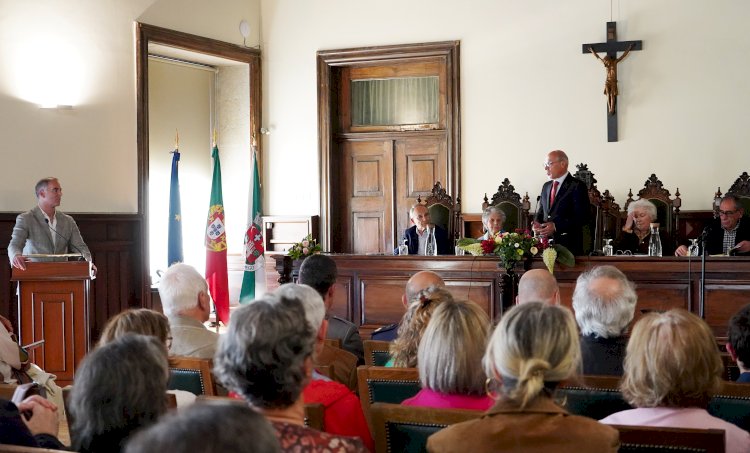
174	236
253	280
216	245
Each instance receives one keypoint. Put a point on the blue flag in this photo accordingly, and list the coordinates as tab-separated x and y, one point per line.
174	238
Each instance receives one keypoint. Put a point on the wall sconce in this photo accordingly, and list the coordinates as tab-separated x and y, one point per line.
55	107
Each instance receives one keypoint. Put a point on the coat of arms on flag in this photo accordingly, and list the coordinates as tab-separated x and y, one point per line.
254	246
216	240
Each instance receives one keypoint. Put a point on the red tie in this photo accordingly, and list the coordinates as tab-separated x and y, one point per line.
554	192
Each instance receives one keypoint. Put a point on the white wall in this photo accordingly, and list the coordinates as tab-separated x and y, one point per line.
526	88
85	49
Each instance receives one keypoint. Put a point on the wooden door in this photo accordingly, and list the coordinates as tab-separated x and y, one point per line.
367	191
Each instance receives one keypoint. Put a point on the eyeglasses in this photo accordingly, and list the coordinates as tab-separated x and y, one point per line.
728	213
550	163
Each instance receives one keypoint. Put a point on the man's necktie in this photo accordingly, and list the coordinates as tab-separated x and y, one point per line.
553	192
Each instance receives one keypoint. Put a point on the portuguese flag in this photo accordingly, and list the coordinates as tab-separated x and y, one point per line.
253	279
216	245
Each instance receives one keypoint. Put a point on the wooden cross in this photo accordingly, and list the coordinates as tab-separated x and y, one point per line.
611	47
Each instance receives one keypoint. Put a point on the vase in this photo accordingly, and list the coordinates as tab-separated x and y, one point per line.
509	281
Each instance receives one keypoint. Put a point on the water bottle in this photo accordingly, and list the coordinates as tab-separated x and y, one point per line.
608	250
433	240
654	242
403	249
430	247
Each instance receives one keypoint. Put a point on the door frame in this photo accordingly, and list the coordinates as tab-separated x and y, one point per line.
328	64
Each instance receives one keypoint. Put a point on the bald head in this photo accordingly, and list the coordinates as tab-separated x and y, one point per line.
421	281
538	285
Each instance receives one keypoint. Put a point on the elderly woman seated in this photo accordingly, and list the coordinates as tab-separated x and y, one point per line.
493	219
450	358
636	233
413	324
266	358
119	388
672	367
534	347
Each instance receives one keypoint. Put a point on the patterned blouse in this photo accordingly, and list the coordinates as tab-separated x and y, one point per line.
301	439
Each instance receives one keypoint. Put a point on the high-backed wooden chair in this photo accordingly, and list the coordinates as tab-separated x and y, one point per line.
377	353
592	396
611	217
732	404
740	189
385	385
667	208
509	201
333	342
592	239
644	439
399	428
445	211
191	374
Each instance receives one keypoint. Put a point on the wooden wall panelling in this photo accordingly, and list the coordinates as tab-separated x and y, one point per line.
723	299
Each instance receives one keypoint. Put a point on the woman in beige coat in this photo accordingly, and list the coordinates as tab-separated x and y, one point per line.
534	347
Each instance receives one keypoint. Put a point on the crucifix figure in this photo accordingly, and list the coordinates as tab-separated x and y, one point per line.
611	48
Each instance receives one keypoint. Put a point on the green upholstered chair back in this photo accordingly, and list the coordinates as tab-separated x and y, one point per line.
647	439
377	353
192	375
441	216
732	404
593	396
510	202
385	385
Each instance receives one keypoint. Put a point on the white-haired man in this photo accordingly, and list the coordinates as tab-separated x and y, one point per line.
342	409
185	301
604	304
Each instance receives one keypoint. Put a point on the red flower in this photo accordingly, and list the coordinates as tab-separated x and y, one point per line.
488	246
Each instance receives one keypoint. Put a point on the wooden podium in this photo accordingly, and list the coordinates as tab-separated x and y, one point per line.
53	305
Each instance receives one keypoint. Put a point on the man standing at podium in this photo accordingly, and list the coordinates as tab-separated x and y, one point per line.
44	229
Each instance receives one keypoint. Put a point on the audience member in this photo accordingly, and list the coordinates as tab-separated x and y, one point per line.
417	236
343	411
727	234
739	342
418	282
320	272
493	219
208	428
534	347
450	358
404	348
12	357
538	285
604	304
37	428
636	233
672	369
187	304
266	358
119	387
144	322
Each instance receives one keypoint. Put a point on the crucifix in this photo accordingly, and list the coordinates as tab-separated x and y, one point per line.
611	47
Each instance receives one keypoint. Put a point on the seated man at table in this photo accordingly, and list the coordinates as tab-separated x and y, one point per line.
604	304
418	282
419	235
729	234
739	342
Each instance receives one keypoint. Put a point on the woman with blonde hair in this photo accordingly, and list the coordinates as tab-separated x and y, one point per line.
534	347
413	324
672	368
137	320
450	358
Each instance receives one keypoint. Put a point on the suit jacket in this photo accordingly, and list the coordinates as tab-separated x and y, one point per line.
190	338
412	240
31	235
541	426
570	212
603	356
715	239
349	334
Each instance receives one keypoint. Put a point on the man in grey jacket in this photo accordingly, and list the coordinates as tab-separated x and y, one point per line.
44	229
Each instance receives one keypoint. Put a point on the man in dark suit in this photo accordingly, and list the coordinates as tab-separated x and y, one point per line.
564	209
417	236
730	233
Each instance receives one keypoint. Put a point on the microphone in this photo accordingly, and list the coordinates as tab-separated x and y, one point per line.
67	241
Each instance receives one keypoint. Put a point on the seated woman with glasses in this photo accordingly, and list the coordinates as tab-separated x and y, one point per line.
534	347
493	219
636	234
450	358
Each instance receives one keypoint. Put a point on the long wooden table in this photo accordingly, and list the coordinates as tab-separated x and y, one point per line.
369	288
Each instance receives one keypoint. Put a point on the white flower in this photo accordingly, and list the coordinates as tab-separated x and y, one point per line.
516	244
305	243
534	250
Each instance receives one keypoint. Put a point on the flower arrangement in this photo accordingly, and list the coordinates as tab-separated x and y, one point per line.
308	246
512	247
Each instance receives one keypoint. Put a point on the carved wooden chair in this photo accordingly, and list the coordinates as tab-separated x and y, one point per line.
667	208
385	385
649	439
192	375
611	217
740	189
516	209
399	428
592	237
444	210
377	353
